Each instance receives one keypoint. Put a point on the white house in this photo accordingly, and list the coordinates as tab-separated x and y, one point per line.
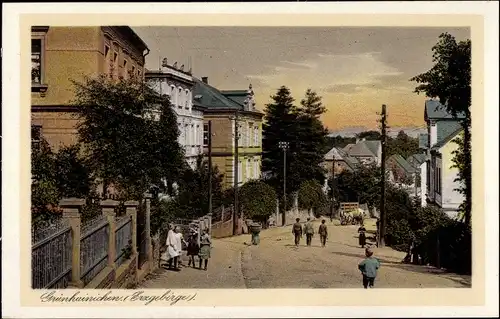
438	175
177	84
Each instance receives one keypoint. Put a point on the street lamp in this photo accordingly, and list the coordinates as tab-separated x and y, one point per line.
284	147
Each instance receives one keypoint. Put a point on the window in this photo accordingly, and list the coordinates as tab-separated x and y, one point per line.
179	98
115	58
205	135
438	180
256	136
186	102
106	52
249	134
36	61
249	171
240	172
428	175
133	69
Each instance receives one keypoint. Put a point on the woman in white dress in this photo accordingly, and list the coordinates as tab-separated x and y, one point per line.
179	240
172	253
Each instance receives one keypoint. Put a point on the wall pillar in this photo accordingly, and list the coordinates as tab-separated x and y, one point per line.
108	210
131	210
149	244
71	212
209	221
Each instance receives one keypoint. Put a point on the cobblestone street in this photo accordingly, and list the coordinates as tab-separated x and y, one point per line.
277	263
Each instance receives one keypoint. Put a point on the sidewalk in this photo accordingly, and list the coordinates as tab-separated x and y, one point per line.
224	268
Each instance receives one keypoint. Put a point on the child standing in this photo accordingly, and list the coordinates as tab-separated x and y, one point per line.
368	268
193	248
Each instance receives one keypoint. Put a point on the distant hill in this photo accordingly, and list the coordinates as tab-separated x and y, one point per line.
393	131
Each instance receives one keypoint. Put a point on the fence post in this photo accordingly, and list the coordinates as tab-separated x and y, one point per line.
209	223
71	212
222	214
108	210
149	246
131	209
278	212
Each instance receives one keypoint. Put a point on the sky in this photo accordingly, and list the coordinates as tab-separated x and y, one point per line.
355	70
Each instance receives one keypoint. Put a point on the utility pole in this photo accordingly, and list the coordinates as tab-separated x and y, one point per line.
333	186
382	223
284	147
209	167
235	174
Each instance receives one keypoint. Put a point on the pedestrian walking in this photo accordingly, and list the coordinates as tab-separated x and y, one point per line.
193	248
297	231
172	253
362	235
309	230
205	248
369	268
323	233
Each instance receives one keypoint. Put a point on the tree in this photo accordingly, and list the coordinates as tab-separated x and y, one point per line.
311	196
192	199
127	144
258	200
76	180
403	145
311	138
44	193
280	125
449	79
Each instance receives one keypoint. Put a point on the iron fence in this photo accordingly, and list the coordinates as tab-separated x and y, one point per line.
94	244
51	256
123	239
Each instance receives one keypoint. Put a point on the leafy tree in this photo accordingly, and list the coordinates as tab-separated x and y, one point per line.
70	165
449	79
45	195
127	144
311	196
258	200
403	145
280	125
192	199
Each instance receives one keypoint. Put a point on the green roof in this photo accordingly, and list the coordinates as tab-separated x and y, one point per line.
341	155
447	139
416	159
363	148
434	110
238	96
212	98
423	141
445	128
407	167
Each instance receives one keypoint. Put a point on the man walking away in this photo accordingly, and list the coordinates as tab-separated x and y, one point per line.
323	233
309	230
369	268
297	231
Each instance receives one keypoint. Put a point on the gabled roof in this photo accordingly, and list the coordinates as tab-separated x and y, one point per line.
212	98
341	155
423	140
363	149
348	147
416	159
434	110
401	162
447	139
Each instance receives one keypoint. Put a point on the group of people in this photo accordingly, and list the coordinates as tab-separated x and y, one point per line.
195	247
298	231
368	267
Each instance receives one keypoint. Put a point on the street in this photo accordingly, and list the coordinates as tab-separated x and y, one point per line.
277	263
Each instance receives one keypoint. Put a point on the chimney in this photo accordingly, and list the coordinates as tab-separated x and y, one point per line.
204	79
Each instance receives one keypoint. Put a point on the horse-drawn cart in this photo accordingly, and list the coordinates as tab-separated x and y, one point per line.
351	214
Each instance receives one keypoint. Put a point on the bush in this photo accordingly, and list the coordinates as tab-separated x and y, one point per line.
257	201
311	196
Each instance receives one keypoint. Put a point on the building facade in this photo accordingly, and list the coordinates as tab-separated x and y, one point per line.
177	84
225	110
60	55
439	174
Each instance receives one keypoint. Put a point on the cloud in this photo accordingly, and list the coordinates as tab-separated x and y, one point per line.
333	73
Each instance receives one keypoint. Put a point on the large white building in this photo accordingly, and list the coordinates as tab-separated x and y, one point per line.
175	82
